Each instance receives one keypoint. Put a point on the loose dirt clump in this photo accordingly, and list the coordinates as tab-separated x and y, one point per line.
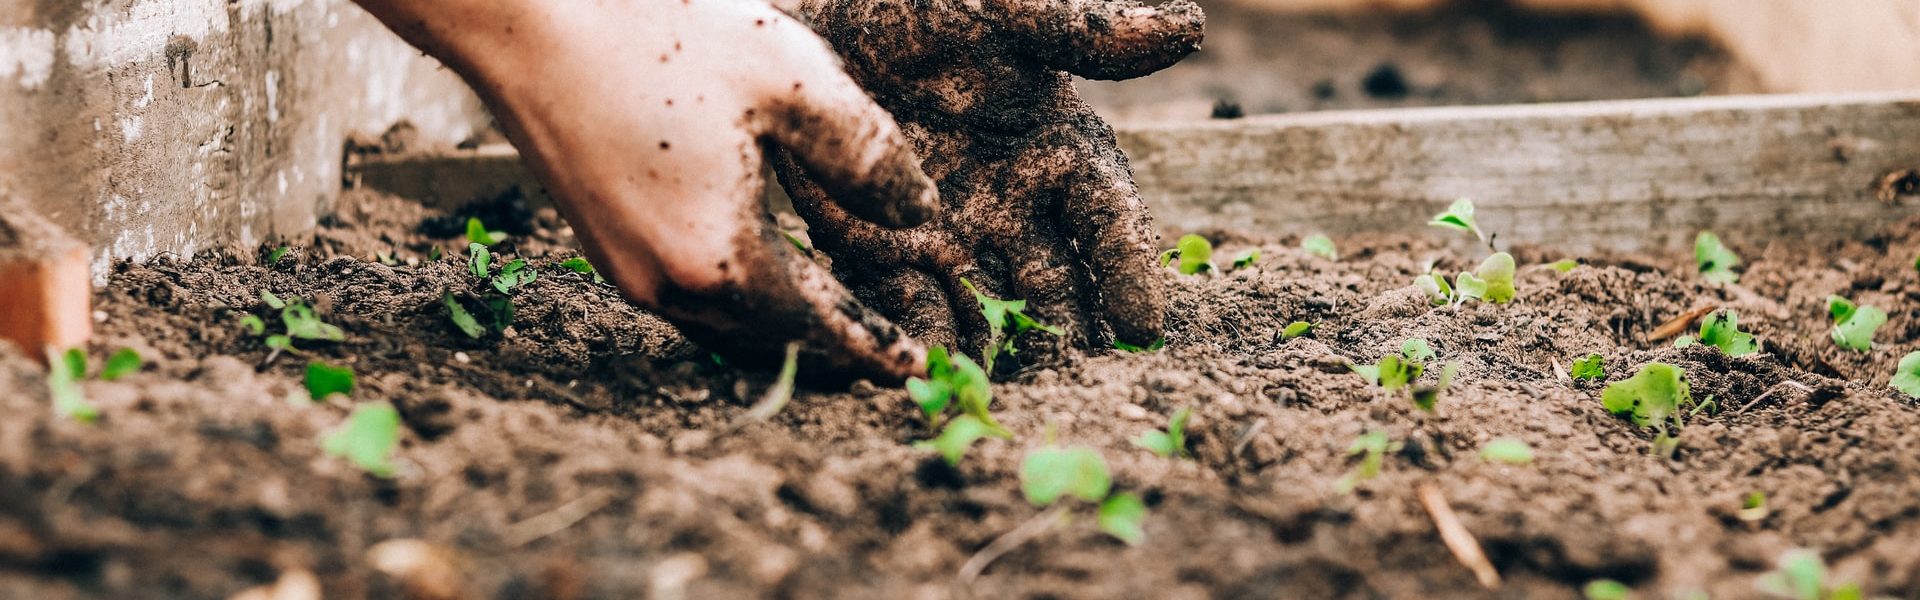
590	452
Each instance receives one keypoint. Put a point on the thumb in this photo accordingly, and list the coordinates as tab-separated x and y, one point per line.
850	145
1106	39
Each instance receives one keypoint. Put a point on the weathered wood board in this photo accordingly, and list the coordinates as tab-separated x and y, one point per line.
1625	175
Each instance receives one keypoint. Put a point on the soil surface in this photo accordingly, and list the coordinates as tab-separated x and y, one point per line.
589	452
1465	52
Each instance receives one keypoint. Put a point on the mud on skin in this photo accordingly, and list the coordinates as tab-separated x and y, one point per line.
1038	202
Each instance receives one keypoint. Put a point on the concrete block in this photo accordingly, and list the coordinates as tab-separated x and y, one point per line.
45	289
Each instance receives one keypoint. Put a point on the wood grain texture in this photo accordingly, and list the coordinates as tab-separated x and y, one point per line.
1625	175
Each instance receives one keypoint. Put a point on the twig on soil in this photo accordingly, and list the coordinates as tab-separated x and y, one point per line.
1458	540
1007	542
1246	437
553	521
1680	323
1559	371
1769	393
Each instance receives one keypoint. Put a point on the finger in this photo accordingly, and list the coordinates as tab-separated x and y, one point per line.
844	140
914	301
777	296
1105	39
1115	233
1046	278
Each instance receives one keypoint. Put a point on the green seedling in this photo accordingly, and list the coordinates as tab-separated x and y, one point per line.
1051	473
434	254
1564	266
1417	350
1607	589
65	370
386	258
277	254
461	318
515	274
122	363
1435	285
1121	516
1246	259
1592	367
1802	575
368	438
958	436
1426	397
1491	282
479	260
1156	345
798	244
1171	443
1753	507
495	297
1507	450
580	265
478	233
1296	329
781	393
1715	261
1006	320
1395	371
1195	254
1853	326
1321	246
300	320
325	380
1906	377
1459	217
1652	398
1722	330
1372	448
955	381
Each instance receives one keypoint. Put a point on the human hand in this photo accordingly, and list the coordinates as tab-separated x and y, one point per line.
646	121
1037	200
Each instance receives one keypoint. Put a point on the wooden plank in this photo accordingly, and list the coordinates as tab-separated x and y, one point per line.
1625	175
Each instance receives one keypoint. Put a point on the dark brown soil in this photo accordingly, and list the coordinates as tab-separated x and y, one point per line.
595	424
1466	52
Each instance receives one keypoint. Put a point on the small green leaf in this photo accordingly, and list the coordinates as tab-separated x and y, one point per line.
1607	589
1497	273
958	436
63	386
1156	441
797	244
577	264
123	362
1436	288
1590	368
277	254
434	254
272	301
368	438
1722	330
1246	259
1006	320
303	323
1801	574
1685	341
477	233
1507	450
1753	507
1397	372
1166	258
1195	254
1372	447
325	380
1370	372
513	275
254	324
461	318
1049	473
1171	443
1854	325
1121	516
1459	217
1651	396
480	261
1564	266
1296	329
1156	345
1417	350
1715	261
1321	246
1427	397
1469	285
280	342
1906	378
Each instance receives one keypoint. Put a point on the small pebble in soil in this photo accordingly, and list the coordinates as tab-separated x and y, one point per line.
462	357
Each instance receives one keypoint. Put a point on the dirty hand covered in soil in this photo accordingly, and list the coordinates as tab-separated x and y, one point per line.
646	123
1038	202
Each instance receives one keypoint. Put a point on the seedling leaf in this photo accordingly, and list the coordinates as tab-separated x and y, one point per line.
124	362
1416	350
1246	259
1854	325
1049	473
515	274
1426	397
480	263
1436	288
254	324
1171	443
325	380
1497	273
277	254
1722	330
477	233
959	435
580	265
1802	575
1507	450
1907	377
1156	345
1459	217
1651	396
368	438
272	301
1370	372
797	244
1121	516
303	323
1470	286
1321	246
1716	262
1564	266
1195	254
1373	447
461	318
1006	320
1753	507
1590	368
782	390
63	385
1607	589
1296	329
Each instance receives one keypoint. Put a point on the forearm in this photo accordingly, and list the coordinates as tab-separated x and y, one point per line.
462	32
